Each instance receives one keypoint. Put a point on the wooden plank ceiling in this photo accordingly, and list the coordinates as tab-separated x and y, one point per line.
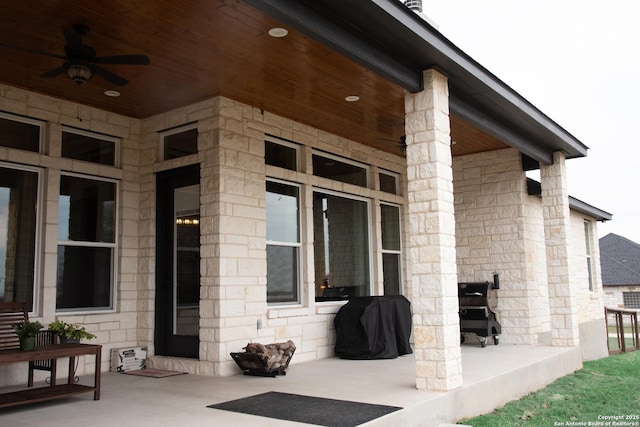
205	48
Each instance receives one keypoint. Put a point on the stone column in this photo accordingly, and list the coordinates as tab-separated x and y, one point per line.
432	243
557	228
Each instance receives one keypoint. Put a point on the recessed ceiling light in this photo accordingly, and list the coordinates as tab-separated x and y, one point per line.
278	32
352	98
112	93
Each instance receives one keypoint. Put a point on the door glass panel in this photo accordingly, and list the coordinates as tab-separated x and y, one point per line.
186	283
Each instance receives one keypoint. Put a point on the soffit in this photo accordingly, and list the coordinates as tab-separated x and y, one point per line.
202	49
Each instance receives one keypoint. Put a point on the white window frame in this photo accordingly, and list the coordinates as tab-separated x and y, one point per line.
392	174
114	139
366	167
288	144
370	231
115	258
30	121
588	237
168	132
291	245
391	251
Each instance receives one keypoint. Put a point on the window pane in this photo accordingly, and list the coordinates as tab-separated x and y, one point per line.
388	183
84	277
587	240
340	171
282	213
86	210
18	218
20	135
280	155
391	273
282	274
341	244
390	227
180	144
83	147
631	300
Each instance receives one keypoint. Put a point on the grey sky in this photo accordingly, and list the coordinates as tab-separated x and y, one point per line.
578	62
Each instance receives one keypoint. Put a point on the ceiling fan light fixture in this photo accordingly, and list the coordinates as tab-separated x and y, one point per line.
79	73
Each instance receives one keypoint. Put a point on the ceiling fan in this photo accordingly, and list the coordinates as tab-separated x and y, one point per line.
81	61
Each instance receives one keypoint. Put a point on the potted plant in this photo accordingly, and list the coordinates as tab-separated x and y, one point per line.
27	332
69	333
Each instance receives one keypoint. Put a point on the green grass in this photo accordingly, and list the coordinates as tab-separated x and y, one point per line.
613	329
609	386
613	343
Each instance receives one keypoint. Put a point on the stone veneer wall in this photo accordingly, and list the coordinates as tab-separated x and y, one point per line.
591	317
115	328
499	229
590	303
233	174
231	152
612	295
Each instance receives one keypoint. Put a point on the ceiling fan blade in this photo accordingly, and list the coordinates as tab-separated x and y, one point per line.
38	52
122	59
55	72
109	76
74	40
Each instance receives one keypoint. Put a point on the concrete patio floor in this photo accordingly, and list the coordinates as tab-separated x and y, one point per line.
492	376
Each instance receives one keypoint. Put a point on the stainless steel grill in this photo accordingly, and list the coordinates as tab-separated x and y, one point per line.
478	303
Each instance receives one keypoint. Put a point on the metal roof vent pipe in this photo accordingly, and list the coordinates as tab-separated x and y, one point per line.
415	5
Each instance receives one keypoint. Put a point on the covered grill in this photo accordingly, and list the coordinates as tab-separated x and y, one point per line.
478	303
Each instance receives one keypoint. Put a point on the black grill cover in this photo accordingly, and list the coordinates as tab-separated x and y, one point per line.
373	328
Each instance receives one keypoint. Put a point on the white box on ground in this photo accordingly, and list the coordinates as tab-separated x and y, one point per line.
128	359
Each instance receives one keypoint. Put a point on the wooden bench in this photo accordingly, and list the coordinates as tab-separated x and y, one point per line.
44	356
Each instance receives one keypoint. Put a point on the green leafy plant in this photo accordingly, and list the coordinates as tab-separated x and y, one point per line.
27	329
70	331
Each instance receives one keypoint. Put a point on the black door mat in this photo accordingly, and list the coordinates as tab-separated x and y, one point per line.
307	409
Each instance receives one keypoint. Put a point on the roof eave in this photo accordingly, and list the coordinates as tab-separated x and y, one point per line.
476	94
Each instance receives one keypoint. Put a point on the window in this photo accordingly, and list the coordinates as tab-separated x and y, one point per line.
18	233
341	246
388	182
280	153
89	147
283	243
86	243
20	132
631	299
179	142
391	249
587	239
339	169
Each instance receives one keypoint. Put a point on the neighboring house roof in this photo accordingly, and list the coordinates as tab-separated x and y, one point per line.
619	261
535	189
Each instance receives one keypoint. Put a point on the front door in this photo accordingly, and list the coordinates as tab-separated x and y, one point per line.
178	262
